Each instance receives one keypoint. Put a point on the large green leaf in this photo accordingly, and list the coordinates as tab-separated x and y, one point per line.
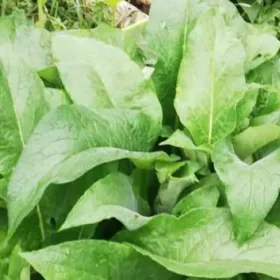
260	46
125	39
254	138
211	80
22	106
267	74
20	37
205	196
56	204
171	189
56	97
19	269
95	260
272	118
111	197
251	189
95	86
37	230
168	29
27	236
201	244
169	24
99	76
71	140
179	139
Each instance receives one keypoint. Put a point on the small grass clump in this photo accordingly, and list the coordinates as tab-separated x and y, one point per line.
62	14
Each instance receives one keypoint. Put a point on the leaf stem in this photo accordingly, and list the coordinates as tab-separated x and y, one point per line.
41	225
41	14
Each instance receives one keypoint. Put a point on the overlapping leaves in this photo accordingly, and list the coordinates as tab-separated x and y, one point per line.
79	153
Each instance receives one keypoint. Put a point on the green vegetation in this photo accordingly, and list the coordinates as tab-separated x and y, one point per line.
150	152
62	14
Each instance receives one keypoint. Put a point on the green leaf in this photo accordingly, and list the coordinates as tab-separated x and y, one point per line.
56	204
141	182
245	106
20	37
268	149
206	96
260	46
180	140
74	260
27	236
169	24
51	77
273	215
22	106
3	191
272	118
56	97
4	264
205	196
171	189
251	189
112	3
201	244
251	8
54	207
166	169
254	138
99	77
19	269
110	197
267	74
264	277
96	86
125	39
71	140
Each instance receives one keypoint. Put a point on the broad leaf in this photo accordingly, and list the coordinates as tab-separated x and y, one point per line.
205	196
110	197
74	260
94	86
260	46
254	138
170	23
267	74
171	189
125	39
99	77
19	269
20	37
4	264
251	189
71	140
211	80
22	106
272	118
179	139
201	244
56	97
